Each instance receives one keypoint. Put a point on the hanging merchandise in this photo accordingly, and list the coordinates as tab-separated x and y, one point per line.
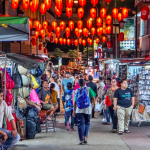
64	41
82	3
109	20
80	24
36	34
108	30
68	42
99	22
115	13
61	41
34	97
89	23
76	42
34	82
62	25
14	4
54	25
94	2
85	32
21	70
25	80
93	31
72	41
58	12
48	4
103	13
67	32
69	3
97	40
36	72
83	42
69	11
80	41
104	39
99	31
125	12
9	98
24	92
144	12
22	103
120	18
80	12
121	36
109	44
45	25
71	25
56	40
93	13
25	4
43	8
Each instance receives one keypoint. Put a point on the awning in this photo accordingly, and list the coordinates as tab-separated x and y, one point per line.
14	28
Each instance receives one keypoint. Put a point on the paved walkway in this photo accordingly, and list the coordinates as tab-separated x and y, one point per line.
100	138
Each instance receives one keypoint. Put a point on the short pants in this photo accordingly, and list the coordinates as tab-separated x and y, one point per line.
47	106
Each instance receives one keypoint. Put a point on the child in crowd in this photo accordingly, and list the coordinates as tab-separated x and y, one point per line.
68	99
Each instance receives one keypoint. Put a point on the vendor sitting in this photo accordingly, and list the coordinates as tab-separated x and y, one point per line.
9	138
44	96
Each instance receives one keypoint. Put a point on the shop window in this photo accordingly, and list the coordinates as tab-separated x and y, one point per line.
142	28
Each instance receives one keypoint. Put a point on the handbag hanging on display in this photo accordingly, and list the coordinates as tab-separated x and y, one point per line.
34	82
24	92
141	109
9	98
22	103
22	70
25	80
36	72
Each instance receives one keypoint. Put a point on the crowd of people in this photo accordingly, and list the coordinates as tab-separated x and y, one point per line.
79	96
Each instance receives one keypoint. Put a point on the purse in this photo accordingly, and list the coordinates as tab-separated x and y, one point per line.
22	70
24	92
25	80
36	72
22	103
9	98
17	78
34	82
141	109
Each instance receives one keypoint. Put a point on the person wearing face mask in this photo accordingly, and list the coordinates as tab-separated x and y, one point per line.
123	104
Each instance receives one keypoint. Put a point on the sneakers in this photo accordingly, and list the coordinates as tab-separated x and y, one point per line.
67	126
85	141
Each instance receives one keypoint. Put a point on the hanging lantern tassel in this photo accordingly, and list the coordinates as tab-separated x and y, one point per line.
33	41
40	47
109	44
121	36
45	50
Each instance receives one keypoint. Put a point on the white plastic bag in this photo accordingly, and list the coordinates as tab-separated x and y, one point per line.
97	107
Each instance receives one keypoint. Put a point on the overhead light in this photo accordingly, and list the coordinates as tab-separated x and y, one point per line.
80	30
76	1
91	19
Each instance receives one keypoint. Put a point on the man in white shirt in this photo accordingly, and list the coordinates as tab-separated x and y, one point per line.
9	138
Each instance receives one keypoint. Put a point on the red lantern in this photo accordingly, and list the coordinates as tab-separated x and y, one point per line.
115	13
58	31
71	25
90	42
120	17
82	3
144	13
48	4
77	32
89	23
69	3
80	41
93	12
99	22
45	50
36	34
36	24
68	42
76	42
80	24
121	36
49	34
72	41
88	39
61	41
54	25
34	5
67	32
30	23
45	25
58	12
69	11
80	12
14	4
104	39
62	25
93	31
59	4
43	8
85	32
26	4
99	31
125	12
40	47
103	12
42	33
83	42
108	19
33	41
64	41
107	1
94	2
108	30
109	44
39	27
97	40
56	40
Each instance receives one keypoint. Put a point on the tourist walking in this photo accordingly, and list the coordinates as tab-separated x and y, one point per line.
123	104
109	103
82	109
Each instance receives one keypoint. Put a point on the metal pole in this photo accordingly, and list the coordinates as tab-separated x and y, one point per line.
116	51
136	32
87	54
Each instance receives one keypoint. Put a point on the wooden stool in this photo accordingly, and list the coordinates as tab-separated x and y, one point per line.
43	114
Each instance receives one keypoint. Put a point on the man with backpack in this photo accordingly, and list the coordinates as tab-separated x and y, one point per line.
82	109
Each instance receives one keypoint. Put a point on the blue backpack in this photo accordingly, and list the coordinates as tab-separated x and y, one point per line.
83	101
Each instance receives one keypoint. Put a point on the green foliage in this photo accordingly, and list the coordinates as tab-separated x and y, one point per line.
58	53
90	51
73	54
